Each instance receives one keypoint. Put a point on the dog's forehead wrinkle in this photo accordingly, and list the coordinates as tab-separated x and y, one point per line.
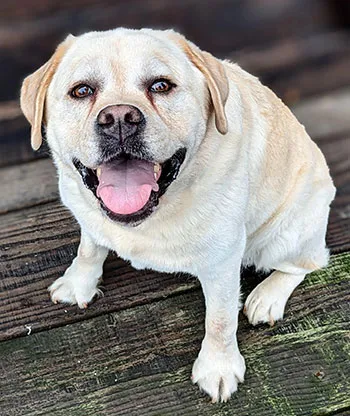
127	45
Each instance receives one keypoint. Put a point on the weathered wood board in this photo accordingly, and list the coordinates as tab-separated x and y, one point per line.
138	361
28	184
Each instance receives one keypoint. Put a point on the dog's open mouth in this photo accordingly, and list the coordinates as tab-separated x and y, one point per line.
129	187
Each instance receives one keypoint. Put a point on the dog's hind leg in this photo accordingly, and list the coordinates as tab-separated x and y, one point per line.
267	301
304	252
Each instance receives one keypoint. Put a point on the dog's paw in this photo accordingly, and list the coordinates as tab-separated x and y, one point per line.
71	290
265	304
218	373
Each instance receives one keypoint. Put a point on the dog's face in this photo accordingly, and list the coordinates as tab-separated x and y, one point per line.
126	108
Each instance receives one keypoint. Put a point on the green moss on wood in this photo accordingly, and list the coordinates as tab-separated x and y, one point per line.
338	270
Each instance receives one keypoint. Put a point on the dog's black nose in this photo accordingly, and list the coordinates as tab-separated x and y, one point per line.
121	120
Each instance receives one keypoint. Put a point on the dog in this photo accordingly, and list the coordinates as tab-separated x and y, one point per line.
181	162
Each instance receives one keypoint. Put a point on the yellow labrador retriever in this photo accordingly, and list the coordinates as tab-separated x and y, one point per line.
181	162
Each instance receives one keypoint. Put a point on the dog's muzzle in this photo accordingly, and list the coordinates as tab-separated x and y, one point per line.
127	181
128	187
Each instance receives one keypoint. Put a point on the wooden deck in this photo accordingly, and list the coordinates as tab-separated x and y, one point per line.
131	352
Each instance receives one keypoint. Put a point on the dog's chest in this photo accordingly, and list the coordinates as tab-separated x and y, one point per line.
173	242
156	250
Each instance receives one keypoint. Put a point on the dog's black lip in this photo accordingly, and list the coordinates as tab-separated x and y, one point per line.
88	175
170	170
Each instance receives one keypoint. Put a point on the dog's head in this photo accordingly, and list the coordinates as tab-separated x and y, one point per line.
126	108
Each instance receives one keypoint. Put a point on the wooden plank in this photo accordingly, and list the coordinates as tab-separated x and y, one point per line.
325	116
287	18
299	67
138	361
291	53
315	79
337	152
326	121
27	185
15	136
15	145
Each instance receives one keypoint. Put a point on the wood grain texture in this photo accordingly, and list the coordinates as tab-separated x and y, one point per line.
299	67
15	137
325	116
338	156
138	361
27	185
292	52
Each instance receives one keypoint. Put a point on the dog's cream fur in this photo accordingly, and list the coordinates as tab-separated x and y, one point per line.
254	188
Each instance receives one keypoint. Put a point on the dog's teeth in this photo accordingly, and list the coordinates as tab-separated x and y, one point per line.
156	167
98	172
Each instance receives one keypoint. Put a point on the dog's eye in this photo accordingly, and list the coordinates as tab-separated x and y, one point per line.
81	91
161	85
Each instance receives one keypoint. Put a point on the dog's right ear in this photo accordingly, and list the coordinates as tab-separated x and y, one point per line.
34	88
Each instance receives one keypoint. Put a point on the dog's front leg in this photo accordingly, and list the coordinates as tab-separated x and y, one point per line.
220	366
78	285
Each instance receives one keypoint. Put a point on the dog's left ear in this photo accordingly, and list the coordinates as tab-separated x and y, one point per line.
34	88
214	73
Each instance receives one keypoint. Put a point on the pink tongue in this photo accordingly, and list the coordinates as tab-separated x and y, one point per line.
126	185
